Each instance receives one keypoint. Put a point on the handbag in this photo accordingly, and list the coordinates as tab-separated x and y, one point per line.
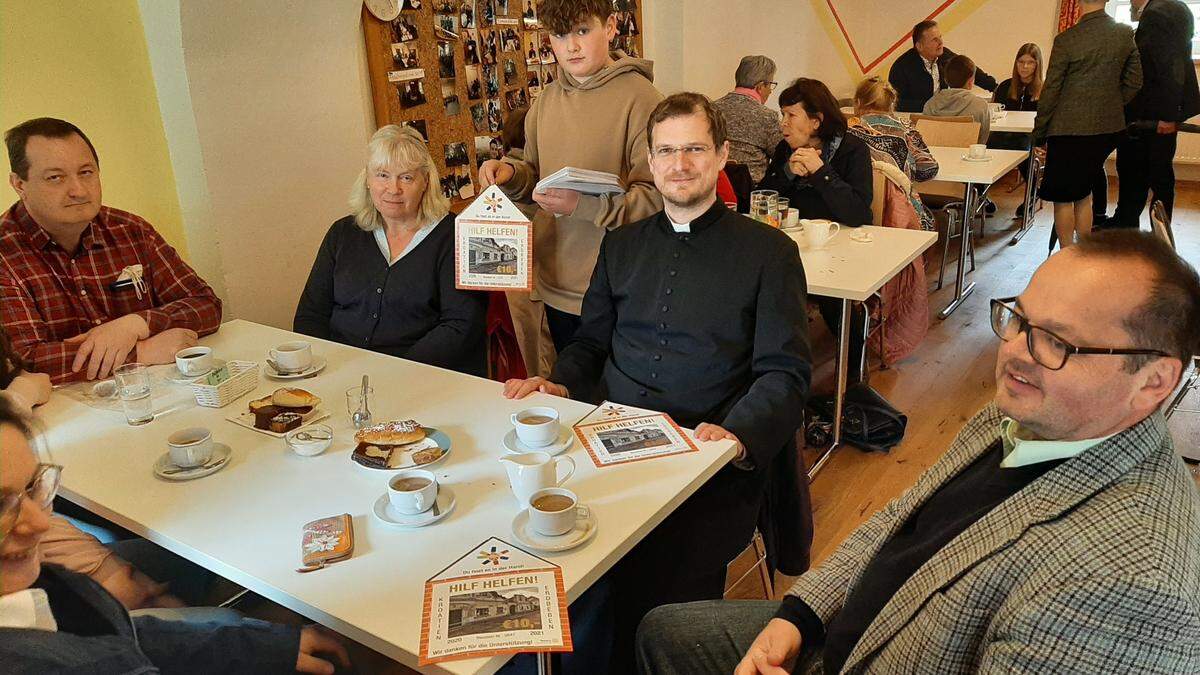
868	420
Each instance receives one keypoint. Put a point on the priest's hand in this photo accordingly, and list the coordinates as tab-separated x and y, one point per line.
557	201
494	172
773	652
517	388
317	640
712	432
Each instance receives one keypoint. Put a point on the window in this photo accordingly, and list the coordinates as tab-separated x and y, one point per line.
1121	10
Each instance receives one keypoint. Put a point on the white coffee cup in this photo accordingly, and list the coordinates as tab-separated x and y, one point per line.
194	360
977	151
417	497
190	447
793	218
529	472
293	356
817	233
536	427
559	521
995	109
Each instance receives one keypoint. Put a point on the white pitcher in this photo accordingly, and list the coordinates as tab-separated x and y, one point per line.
529	472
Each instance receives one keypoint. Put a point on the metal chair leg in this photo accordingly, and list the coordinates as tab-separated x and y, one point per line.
946	245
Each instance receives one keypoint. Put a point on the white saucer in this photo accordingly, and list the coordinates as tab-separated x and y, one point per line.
317	365
177	376
220	452
391	517
585	529
976	160
515	446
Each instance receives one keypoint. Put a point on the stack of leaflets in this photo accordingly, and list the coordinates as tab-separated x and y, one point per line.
582	180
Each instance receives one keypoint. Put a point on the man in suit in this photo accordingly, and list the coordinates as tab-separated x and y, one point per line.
919	73
1059	533
1169	95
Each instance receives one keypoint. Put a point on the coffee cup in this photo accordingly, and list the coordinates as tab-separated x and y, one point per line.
995	109
190	447
413	491
793	218
553	511
292	357
977	151
817	233
194	360
536	427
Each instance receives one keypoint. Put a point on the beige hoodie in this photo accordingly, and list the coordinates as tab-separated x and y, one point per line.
599	125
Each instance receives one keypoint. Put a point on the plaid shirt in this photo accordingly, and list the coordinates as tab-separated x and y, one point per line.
48	295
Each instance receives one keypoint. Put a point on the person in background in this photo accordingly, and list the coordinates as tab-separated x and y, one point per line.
84	287
957	99
1169	95
1094	71
1060	533
383	278
753	127
826	174
1021	93
892	139
919	73
572	124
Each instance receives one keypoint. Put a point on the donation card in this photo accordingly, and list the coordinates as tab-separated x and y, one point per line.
617	434
496	599
493	245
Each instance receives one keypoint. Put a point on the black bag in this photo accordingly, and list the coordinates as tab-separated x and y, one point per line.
868	420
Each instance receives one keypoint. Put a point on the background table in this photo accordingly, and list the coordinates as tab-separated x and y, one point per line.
244	522
953	168
1021	122
853	271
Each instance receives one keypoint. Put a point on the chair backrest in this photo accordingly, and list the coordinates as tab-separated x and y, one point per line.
950	132
739	178
879	192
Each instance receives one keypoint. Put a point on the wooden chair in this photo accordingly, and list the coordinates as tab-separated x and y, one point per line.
944	196
1160	224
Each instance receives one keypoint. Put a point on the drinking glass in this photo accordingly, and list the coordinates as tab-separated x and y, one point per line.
133	386
763	204
354	402
781	209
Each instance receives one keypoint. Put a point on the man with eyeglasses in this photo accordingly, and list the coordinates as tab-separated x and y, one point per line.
698	312
1059	533
753	128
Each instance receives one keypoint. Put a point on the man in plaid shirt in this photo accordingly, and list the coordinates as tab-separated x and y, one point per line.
85	288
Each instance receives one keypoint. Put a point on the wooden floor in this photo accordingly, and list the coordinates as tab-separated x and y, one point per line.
947	380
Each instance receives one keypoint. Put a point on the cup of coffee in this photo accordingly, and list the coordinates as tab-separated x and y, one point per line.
996	110
190	447
553	511
977	151
413	491
292	357
536	427
817	233
194	360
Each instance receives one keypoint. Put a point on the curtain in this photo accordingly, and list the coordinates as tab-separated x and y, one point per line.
1068	14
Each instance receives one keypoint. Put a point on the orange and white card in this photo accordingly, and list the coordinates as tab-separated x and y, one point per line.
493	245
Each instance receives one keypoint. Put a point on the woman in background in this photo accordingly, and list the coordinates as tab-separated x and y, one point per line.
1021	93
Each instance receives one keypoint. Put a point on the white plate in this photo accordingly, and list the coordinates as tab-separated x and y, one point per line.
514	445
585	529
177	376
403	460
246	419
391	517
317	365
976	160
220	452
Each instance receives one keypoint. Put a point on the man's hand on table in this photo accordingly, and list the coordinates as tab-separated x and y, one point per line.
29	389
162	347
317	640
107	346
713	432
517	388
773	652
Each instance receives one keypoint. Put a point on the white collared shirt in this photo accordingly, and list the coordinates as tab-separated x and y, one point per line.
680	228
1021	449
386	250
932	68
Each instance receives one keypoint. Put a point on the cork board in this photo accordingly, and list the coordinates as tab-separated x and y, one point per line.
455	70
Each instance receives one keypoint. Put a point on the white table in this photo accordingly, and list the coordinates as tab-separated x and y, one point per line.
1020	122
952	167
853	271
244	522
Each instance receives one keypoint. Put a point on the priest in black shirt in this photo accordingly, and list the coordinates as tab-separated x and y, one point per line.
700	313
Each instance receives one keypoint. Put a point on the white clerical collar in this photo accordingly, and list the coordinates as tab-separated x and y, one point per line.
680	228
1021	449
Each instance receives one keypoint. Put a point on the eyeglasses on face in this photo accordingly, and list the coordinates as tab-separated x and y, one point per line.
1047	348
40	490
669	151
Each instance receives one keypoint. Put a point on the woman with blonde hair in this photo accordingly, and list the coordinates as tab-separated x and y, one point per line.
383	278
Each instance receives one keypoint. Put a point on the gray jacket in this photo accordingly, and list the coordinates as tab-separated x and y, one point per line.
1092	568
1094	71
753	132
961	103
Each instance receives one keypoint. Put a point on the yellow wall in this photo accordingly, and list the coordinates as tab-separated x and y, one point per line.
86	62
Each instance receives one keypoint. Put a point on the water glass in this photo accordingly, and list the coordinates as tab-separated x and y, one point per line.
133	386
763	204
354	403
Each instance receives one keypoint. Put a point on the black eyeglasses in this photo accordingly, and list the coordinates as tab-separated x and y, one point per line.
1048	349
41	490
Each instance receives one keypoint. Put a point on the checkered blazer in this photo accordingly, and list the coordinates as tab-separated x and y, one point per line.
1092	568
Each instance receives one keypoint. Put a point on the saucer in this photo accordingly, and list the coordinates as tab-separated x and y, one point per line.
585	529
221	453
976	160
317	365
515	446
392	518
176	375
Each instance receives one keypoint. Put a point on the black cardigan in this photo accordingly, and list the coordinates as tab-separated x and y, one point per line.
840	191
410	309
914	85
1003	95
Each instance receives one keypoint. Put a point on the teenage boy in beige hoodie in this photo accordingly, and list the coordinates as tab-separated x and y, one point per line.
593	116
